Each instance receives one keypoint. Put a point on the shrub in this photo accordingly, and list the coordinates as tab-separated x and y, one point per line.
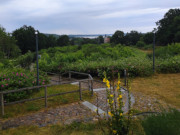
25	60
136	66
140	44
95	59
167	123
19	78
167	51
169	65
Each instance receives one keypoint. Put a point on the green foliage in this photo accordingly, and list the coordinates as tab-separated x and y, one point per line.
25	60
148	38
19	78
87	58
95	59
167	123
132	38
137	66
140	44
148	47
26	39
8	47
168	51
118	37
117	123
63	40
168	65
168	27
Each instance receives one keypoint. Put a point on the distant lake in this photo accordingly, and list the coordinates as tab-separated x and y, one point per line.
88	36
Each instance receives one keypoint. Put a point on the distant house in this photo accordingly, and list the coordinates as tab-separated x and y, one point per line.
106	39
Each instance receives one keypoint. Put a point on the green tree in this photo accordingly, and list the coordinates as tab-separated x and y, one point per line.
63	40
118	37
51	41
25	37
168	27
132	38
148	38
177	37
140	44
8	47
100	39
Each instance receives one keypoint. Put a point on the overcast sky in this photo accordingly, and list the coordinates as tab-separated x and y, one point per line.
84	16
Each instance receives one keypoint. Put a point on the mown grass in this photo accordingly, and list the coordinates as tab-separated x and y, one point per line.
72	129
33	106
165	87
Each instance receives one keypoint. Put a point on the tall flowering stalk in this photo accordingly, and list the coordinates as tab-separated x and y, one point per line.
117	122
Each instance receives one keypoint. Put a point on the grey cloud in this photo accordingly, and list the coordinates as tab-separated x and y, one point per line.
81	16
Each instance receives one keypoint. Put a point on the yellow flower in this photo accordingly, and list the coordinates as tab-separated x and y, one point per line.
107	81
95	110
120	114
110	114
117	87
120	96
108	100
112	102
114	131
104	80
111	95
119	82
108	85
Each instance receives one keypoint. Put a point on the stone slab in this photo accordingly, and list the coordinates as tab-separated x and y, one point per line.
92	107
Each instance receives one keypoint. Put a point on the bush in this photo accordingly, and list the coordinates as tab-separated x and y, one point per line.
140	44
163	124
147	47
19	78
136	66
168	65
95	59
60	59
168	51
25	60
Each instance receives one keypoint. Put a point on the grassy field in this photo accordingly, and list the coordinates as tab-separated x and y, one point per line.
72	129
165	87
33	106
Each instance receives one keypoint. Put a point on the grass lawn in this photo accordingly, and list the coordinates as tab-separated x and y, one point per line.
72	129
165	87
33	106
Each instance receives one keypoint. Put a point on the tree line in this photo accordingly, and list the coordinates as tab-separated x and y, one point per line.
23	39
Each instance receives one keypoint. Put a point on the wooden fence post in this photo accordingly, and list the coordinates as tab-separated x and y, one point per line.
70	75
92	87
2	104
45	96
80	92
89	84
60	78
125	75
